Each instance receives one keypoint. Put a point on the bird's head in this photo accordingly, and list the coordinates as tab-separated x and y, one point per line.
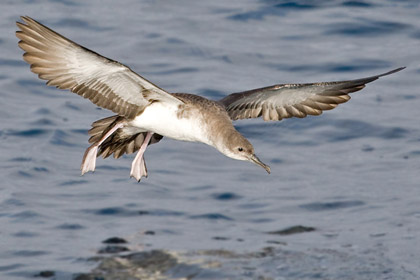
238	147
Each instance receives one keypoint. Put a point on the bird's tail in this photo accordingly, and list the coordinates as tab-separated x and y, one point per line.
118	143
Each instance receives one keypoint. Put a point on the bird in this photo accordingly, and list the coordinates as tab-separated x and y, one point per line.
145	113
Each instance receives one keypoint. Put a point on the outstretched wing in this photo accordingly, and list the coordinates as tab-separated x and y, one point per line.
293	100
67	65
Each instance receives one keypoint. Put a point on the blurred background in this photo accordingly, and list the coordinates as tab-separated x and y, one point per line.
349	177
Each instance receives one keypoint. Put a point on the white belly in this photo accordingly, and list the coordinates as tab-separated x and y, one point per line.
164	120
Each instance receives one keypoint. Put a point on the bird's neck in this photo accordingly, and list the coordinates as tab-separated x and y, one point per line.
221	137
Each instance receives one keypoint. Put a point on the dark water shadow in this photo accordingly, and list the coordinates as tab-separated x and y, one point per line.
21	159
274	8
354	65
358	4
161	213
26	215
212	216
43	122
30	133
112	211
125	212
226	196
25	234
73	183
366	28
30	253
67	226
334	205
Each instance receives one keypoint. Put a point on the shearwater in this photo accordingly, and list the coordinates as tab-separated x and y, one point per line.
145	113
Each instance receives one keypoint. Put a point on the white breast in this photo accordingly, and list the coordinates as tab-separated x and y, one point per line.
162	118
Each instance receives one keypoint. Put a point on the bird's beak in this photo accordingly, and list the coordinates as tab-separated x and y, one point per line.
257	161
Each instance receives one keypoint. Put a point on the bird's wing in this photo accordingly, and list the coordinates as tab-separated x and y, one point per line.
292	100
67	65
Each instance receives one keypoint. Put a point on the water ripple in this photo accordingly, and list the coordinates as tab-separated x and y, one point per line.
225	196
68	2
78	23
212	216
25	234
353	65
255	41
40	169
30	253
176	71
30	84
43	122
67	226
71	106
21	159
12	62
25	215
112	211
24	174
10	267
358	4
14	202
27	133
73	182
161	212
211	93
280	9
43	111
60	138
327	206
351	129
367	28
295	6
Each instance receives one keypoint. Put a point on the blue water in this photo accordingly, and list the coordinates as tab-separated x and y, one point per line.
352	173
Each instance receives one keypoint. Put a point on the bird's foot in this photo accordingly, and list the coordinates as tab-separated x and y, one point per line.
89	159
138	168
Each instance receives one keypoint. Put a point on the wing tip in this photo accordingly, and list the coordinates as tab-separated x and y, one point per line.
392	71
27	22
25	19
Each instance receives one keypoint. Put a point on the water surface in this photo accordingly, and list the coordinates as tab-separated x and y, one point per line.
352	174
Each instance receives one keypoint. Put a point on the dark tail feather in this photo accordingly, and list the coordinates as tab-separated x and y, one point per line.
101	127
118	143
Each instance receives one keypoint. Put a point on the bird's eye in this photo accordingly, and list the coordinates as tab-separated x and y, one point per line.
240	149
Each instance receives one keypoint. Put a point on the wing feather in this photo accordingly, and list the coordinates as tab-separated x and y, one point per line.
67	65
293	100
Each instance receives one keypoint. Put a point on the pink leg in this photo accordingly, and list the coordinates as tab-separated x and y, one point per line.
89	159
138	167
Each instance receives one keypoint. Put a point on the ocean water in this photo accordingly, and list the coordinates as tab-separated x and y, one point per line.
351	174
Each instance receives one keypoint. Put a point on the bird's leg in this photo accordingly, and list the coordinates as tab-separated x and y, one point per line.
138	166
89	158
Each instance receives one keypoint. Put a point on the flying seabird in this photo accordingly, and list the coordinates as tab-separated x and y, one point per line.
145	113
